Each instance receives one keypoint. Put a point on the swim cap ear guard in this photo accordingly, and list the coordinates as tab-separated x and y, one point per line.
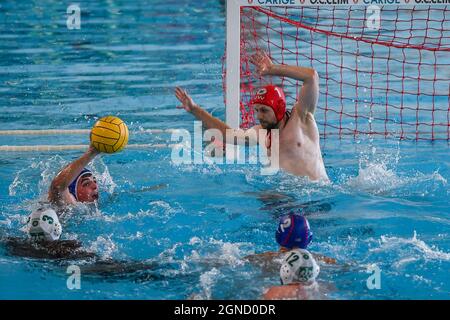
293	232
73	185
43	225
299	266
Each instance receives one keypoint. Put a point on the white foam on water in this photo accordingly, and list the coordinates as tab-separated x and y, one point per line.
17	184
207	281
422	279
341	251
38	173
287	184
378	174
167	209
378	179
375	178
168	254
399	264
104	178
195	240
129	216
226	253
20	218
160	210
103	246
229	252
80	212
209	253
376	171
46	170
138	236
425	251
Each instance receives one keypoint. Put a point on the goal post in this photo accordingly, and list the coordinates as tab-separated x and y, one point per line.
384	65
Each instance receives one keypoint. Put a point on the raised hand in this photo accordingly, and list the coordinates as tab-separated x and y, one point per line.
92	150
186	101
262	62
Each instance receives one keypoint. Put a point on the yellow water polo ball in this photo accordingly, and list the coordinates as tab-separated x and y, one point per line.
109	134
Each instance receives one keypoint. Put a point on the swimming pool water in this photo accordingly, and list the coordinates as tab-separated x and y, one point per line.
387	205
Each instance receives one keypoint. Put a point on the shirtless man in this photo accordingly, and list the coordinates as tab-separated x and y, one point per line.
73	184
299	148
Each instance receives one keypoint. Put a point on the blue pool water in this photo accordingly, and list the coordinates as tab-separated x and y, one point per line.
387	205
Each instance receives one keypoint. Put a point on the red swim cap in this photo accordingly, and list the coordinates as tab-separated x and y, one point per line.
272	97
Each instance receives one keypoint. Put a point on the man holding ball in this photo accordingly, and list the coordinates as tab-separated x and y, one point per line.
75	183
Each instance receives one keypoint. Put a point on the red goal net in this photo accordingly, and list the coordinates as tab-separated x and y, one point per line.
391	81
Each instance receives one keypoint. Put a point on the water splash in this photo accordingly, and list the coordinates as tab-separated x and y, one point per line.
38	173
41	173
169	255
378	179
375	178
103	176
419	246
104	246
378	174
160	210
229	253
207	281
17	184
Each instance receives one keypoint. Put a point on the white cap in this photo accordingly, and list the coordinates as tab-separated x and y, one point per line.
299	266
43	224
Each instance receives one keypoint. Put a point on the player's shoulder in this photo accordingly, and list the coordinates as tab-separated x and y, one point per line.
306	122
281	292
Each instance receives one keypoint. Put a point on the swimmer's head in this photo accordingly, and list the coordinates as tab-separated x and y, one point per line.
43	225
270	106
293	232
84	188
299	266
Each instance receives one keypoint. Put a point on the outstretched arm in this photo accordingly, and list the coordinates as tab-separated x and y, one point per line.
309	93
188	104
210	122
58	188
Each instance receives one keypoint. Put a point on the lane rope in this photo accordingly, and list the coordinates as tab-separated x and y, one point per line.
72	131
80	147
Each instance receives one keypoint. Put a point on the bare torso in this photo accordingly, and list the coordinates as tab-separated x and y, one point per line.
299	148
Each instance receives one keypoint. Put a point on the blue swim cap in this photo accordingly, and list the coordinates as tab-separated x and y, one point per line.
293	231
73	185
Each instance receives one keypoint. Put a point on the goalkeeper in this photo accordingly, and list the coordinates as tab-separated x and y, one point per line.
299	140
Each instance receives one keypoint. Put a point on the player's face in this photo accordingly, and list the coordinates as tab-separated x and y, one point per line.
266	116
87	189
